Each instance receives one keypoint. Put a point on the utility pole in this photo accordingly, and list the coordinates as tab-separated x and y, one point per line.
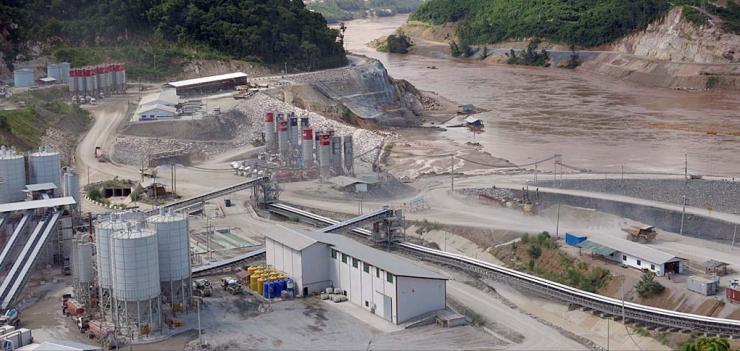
200	335
683	214
557	225
685	167
452	172
734	234
445	245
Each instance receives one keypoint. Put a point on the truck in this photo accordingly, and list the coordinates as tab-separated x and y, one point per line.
82	323
641	234
231	285
202	288
72	307
96	330
11	317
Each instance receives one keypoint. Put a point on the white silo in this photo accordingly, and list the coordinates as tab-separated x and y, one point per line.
324	155
136	287
45	167
173	246
12	176
269	130
83	275
308	147
71	185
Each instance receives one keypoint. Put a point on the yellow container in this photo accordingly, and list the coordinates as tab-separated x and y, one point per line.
253	281
251	269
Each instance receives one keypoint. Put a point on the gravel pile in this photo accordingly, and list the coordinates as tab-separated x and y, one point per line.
364	140
131	150
60	141
721	196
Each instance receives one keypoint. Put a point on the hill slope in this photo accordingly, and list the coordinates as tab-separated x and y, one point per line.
583	23
172	31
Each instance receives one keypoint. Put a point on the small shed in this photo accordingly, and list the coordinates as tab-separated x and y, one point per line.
704	286
47	80
467	108
471	121
715	267
574	239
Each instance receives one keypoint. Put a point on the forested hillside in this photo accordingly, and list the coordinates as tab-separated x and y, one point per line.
583	23
171	31
342	10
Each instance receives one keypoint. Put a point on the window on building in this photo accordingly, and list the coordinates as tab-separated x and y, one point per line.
377	272
639	262
355	262
367	304
389	277
344	258
624	257
652	267
366	267
334	254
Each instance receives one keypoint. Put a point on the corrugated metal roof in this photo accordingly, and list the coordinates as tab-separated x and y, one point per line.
147	108
290	238
165	97
642	251
386	261
28	205
211	79
41	186
596	248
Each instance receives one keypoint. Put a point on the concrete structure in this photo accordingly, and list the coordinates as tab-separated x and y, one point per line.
155	112
12	176
23	77
45	166
324	153
60	345
635	255
227	81
269	131
71	185
337	168
307	145
349	155
384	284
283	142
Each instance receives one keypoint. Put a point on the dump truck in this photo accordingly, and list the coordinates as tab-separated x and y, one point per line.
202	288
11	317
641	234
96	330
72	307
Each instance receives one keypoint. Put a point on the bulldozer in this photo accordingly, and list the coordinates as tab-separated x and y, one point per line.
641	234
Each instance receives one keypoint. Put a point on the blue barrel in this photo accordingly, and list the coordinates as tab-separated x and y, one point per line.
283	285
266	289
274	286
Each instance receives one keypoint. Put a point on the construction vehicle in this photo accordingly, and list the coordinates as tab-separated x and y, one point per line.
641	234
231	285
72	307
11	317
202	288
82	323
96	330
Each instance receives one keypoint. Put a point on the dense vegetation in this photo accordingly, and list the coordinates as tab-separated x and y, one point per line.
396	44
547	261
706	343
530	56
729	14
578	22
41	109
342	10
269	31
647	286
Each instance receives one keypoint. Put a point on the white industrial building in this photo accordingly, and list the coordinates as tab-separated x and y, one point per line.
155	112
166	97
387	285
631	254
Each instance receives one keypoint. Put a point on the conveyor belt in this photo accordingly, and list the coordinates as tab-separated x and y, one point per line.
182	204
212	266
14	237
369	217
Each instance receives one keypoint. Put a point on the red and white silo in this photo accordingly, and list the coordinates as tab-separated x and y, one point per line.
307	145
324	155
269	130
283	143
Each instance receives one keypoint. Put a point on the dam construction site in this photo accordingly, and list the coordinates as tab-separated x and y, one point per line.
388	204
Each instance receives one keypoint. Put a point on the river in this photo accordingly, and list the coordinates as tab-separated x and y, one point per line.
594	121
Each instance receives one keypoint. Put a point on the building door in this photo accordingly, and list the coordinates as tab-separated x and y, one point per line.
672	267
388	308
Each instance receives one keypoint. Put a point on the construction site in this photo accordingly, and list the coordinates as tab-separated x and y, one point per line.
345	209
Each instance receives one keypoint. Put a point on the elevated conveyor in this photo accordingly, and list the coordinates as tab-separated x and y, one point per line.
186	203
14	237
373	216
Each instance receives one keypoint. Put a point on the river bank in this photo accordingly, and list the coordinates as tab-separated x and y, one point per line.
594	122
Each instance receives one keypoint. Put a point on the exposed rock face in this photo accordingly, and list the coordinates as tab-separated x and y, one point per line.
673	38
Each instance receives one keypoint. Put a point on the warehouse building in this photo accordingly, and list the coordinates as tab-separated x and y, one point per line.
210	84
384	284
166	97
155	112
635	255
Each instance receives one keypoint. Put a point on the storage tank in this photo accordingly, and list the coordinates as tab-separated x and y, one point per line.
269	130
64	68
307	145
283	139
89	82
52	71
348	155
13	175
173	247
81	260
104	228
324	155
293	132
23	77
71	184
336	155
133	261
72	84
45	167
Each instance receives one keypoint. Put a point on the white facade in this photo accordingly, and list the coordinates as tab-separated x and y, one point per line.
391	287
643	264
155	112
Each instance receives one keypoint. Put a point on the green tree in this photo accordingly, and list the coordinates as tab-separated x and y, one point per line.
647	286
706	343
534	251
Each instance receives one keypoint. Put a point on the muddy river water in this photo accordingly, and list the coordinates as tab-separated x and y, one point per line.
594	121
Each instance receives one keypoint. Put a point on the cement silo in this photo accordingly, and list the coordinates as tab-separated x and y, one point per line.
72	84
64	68
269	130
136	287
71	184
336	156
348	155
52	71
45	167
324	155
294	132
83	275
307	145
12	175
283	139
23	77
173	245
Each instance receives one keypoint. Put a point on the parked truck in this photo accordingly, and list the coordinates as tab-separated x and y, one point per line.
96	330
231	285
202	288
